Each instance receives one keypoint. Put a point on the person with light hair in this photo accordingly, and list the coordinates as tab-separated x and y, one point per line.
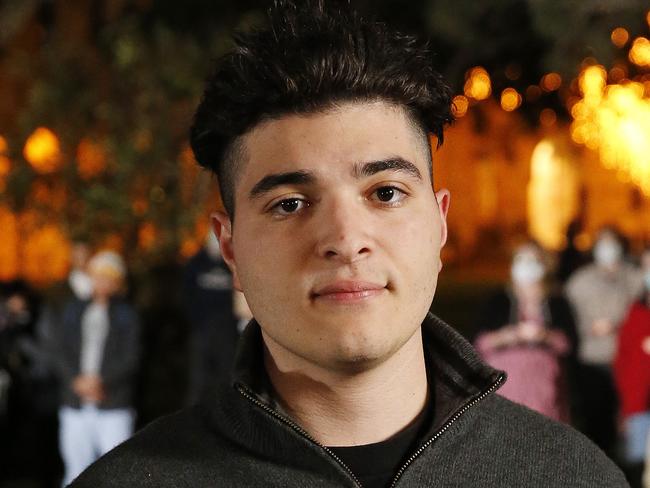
96	362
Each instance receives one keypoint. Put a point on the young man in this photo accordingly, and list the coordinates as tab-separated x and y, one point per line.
318	129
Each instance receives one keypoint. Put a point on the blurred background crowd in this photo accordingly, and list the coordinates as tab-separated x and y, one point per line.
113	293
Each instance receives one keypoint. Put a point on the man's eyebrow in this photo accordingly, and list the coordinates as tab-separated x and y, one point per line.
391	164
269	182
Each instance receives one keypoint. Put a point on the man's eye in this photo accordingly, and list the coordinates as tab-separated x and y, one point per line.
389	194
289	206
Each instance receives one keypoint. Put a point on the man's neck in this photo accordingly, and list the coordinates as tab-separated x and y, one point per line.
348	409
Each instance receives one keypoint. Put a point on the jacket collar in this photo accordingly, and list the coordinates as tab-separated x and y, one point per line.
455	372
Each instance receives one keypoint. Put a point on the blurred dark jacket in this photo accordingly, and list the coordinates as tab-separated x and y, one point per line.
120	359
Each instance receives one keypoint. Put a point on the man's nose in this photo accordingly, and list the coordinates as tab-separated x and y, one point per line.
342	232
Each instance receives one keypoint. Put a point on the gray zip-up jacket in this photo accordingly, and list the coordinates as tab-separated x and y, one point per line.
243	439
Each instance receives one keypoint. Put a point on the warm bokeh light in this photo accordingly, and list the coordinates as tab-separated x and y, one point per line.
617	73
551	82
147	236
42	150
91	159
647	18
478	85
460	105
553	185
112	242
620	36
189	247
8	245
615	121
5	166
45	253
510	99
4	147
140	206
547	117
640	52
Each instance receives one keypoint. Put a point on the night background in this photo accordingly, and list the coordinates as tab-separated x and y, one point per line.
96	99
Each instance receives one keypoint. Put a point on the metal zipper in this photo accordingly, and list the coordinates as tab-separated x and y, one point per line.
250	396
445	427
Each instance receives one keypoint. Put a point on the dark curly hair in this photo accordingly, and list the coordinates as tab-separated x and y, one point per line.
313	55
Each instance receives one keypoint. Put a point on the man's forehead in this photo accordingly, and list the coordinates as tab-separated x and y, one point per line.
346	135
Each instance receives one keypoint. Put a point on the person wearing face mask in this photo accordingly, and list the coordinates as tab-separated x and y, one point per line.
529	332
632	375
601	293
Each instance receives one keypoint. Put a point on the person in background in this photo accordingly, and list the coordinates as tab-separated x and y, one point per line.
570	258
18	432
96	361
208	303
601	294
632	374
529	333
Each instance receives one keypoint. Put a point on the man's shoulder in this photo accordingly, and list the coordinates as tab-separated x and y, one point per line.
169	447
543	448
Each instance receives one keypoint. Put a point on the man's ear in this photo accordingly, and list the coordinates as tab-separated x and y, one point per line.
443	197
222	227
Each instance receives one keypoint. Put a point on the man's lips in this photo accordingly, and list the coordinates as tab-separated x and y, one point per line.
348	291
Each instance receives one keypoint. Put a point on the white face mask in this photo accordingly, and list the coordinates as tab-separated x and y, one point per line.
607	252
526	270
81	284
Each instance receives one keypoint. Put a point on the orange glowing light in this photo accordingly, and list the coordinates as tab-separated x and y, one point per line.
40	193
620	36
112	242
510	99
547	117
5	166
91	159
43	151
460	105
647	18
140	206
147	236
592	83
46	252
640	52
614	120
551	82
4	147
8	245
617	73
189	247
478	85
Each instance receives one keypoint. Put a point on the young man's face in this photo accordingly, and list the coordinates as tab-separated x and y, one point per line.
337	235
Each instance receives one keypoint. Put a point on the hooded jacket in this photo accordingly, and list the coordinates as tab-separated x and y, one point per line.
243	439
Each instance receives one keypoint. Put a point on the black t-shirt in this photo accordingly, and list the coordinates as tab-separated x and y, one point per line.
375	465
